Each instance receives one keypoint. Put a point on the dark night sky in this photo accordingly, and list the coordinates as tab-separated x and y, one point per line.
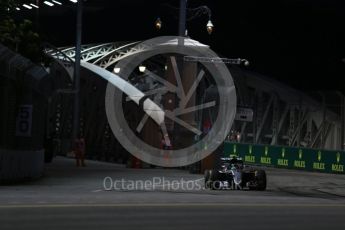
299	42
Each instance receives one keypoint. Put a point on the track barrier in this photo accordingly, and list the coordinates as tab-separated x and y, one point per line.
326	161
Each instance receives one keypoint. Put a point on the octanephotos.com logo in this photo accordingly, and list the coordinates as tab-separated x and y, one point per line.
155	183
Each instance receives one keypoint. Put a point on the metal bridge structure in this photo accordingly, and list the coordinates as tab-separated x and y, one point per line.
268	112
285	116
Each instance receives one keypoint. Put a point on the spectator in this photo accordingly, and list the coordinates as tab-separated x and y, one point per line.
79	151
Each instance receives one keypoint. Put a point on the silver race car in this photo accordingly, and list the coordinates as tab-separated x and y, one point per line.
233	174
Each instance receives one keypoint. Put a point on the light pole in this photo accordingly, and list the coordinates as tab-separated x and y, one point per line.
189	69
76	79
342	107
182	18
342	118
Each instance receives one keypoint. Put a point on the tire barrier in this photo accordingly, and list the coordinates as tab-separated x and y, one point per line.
326	161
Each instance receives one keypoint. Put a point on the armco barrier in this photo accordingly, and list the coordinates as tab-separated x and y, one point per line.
288	157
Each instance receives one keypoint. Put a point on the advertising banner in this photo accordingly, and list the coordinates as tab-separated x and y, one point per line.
288	157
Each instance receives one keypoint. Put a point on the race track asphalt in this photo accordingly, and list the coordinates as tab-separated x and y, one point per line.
75	198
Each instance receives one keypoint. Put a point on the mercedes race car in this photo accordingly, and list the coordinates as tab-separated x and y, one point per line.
233	174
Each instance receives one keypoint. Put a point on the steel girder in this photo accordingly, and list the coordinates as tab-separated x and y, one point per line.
102	55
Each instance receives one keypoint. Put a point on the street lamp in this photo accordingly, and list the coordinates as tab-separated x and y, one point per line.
209	27
158	24
48	3
57	2
27	6
33	5
194	13
142	68
117	70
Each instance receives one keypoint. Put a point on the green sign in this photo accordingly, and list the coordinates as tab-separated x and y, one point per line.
288	157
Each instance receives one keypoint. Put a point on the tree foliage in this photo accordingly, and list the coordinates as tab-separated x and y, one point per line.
18	34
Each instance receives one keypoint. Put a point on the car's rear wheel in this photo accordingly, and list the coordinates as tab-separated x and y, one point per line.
207	178
214	181
261	180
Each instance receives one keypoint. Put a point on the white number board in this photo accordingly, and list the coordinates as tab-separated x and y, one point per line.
24	121
244	114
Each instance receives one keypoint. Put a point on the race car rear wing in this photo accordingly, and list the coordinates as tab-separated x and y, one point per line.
230	158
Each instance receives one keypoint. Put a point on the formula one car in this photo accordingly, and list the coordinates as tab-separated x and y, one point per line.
233	174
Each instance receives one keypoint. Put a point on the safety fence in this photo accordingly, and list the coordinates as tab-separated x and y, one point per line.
288	157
